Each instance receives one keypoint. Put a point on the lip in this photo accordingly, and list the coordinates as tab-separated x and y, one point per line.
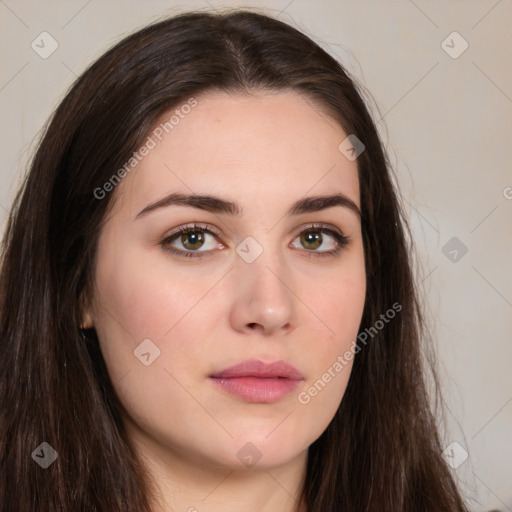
258	382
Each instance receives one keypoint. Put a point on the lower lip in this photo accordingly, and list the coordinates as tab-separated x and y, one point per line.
257	390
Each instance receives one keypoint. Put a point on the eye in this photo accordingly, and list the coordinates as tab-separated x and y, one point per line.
313	237
193	239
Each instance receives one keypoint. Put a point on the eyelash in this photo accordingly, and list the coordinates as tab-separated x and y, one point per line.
341	240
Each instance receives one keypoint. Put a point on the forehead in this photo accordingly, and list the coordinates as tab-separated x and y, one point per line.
252	147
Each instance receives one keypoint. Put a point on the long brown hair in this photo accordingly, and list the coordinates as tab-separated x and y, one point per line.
382	450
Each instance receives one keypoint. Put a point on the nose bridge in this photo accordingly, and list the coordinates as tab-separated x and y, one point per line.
262	286
265	269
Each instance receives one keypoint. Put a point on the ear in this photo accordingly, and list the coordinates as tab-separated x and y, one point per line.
87	321
87	316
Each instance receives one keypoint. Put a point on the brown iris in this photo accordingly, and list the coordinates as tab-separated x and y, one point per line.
314	238
192	239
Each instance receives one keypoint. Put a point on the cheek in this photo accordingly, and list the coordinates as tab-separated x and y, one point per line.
142	301
145	298
340	308
339	345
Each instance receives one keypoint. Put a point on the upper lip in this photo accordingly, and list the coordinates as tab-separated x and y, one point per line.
260	369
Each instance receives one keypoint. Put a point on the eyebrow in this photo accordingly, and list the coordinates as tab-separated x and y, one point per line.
216	204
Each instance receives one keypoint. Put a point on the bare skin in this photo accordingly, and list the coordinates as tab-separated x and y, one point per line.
264	151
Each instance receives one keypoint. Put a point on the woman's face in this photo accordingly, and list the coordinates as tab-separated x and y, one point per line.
245	289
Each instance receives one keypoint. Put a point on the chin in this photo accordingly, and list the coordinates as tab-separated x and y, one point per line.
264	451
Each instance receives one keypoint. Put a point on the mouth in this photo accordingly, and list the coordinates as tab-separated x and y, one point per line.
258	382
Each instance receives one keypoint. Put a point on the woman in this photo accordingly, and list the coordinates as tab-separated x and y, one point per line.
207	297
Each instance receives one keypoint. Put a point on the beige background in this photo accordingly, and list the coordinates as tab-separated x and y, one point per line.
448	125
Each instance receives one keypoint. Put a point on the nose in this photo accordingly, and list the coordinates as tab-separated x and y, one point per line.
263	297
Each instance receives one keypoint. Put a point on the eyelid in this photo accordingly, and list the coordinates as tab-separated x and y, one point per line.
200	226
321	227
